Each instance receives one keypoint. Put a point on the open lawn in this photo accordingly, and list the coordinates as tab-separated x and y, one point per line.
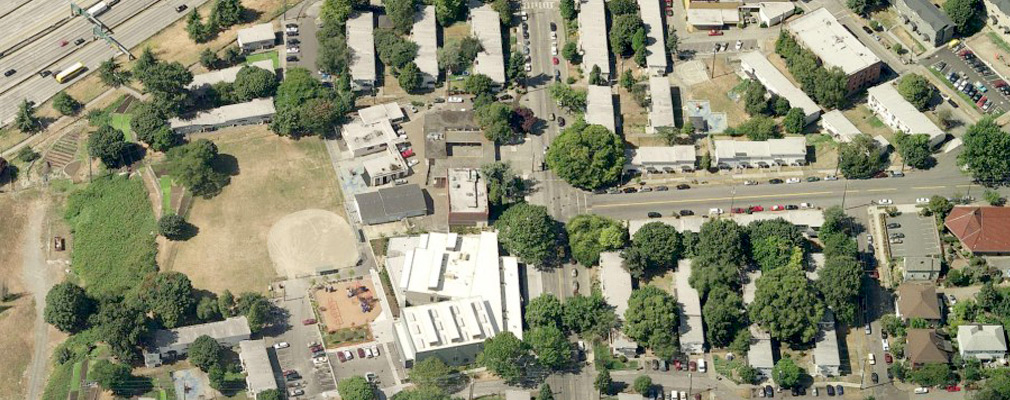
114	232
275	177
122	122
867	122
716	92
268	55
165	183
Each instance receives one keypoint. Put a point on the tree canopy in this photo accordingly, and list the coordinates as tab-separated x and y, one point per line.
986	153
591	234
786	373
68	307
253	83
410	78
861	158
109	145
506	356
773	242
458	55
544	310
168	296
718	256
504	186
449	11
828	87
914	149
150	125
192	165
724	316
172	226
917	90
65	104
528	232
655	248
786	305
642	384
205	352
758	128
111	376
589	316
356	388
394	51
968	15
401	14
112	74
794	121
840	282
552	348
622	30
573	100
652	319
587	156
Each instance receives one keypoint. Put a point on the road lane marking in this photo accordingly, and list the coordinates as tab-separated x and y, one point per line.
882	190
762	196
929	187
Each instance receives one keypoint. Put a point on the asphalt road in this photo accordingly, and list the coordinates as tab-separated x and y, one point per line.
132	22
21	19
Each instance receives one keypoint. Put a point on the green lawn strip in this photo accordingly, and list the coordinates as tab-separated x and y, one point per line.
57	387
603	357
122	122
75	377
269	55
113	225
166	193
998	41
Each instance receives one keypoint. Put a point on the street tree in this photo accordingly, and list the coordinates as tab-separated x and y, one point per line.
506	356
840	282
65	104
786	305
591	234
26	121
112	74
209	59
552	348
573	100
786	373
917	90
504	186
109	145
651	318
356	388
968	15
528	232
986	153
205	352
643	384
861	158
603	381
587	156
724	316
545	392
401	14
433	372
719	255
544	310
68	307
589	316
914	149
655	248
567	9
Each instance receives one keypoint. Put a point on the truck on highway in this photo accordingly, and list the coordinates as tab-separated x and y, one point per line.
98	9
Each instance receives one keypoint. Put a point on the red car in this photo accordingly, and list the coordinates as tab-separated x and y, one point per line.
715	33
309	321
756	208
340	355
953	388
555	60
361	353
407	153
677	366
887	358
316	348
873	274
981	101
738	210
693	366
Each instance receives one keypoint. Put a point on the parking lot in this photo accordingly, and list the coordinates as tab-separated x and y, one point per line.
306	43
918	235
971	77
380	366
297	356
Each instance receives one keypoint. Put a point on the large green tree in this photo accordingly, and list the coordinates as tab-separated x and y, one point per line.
651	319
986	153
589	316
587	156
168	296
786	305
110	376
552	348
528	232
968	15
724	316
121	325
655	248
840	282
861	158
109	145
544	310
192	166
68	307
622	30
205	352
410	79
759	127
504	186
754	98
401	14
643	385
914	149
449	11
567	9
356	388
394	51
26	121
112	74
917	90
591	234
336	11
65	104
227	13
932	374
772	242
432	372
786	373
573	100
254	82
506	356
718	256
794	121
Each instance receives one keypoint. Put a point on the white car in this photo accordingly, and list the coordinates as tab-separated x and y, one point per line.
749	183
554	36
886	346
921	390
282	345
885	201
293	50
348	355
375	350
922	200
368	352
412	162
554	50
319	360
529	67
739	44
715	211
873	360
806	205
831	178
793	180
455	99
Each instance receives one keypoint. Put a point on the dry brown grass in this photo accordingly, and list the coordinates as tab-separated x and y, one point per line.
715	90
276	176
18	315
867	122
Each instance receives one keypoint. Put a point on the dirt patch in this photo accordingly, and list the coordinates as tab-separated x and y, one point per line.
19	312
307	241
274	177
342	305
716	92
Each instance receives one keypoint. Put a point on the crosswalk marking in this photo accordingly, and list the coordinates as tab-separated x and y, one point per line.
539	5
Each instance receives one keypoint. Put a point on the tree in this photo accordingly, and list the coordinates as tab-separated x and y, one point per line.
172	226
603	381
110	376
394	51
457	55
253	83
773	241
121	325
995	387
227	13
336	11
506	356
191	165
718	256
573	100
571	53
786	373
205	352
757	128
968	15
651	318
620	7
108	144
269	394
552	348
673	44
422	393
168	297
786	305
587	157
589	316
479	83
26	121
544	310
111	74
144	63
410	79
432	371
545	392
528	232
986	153
643	384
622	31
449	11
931	374
68	307
898	48
780	106
207	309
514	69
567	9
27	154
862	7
861	158
226	304
401	14
209	59
504	186
356	388
754	99
523	120
591	234
627	79
794	121
594	76
65	104
724	316
151	127
840	282
655	248
914	149
994	198
196	29
916	90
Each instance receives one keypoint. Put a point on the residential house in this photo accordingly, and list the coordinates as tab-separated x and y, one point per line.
926	346
983	230
821	33
983	342
593	39
600	107
900	115
826	359
486	26
660	104
925	20
754	65
837	125
761	355
921	269
615	283
425	34
173	343
747	153
918	300
257	37
653	18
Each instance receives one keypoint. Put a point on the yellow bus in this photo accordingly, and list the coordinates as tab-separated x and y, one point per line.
69	73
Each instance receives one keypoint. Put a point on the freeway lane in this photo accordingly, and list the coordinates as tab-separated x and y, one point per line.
31	17
130	31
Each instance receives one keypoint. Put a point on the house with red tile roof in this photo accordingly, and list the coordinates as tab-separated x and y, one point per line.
983	230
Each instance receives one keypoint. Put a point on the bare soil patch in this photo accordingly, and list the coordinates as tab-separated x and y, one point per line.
308	241
16	342
338	311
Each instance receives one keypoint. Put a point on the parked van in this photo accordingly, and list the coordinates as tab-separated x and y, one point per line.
701	365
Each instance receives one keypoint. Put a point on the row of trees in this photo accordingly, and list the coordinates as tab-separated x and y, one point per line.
500	122
306	107
828	87
226	13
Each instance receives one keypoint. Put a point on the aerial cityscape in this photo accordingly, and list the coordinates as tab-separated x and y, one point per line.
504	199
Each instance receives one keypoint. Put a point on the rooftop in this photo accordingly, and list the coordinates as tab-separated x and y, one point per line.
981	229
383	162
425	34
467	191
600	107
777	83
362	46
840	124
922	264
712	16
229	328
652	16
821	33
925	346
256	362
916	300
447	324
809	218
224	114
395	200
661	108
593	36
790	146
615	281
978	337
660	154
379	112
453	265
903	111
486	26
826	344
257	33
761	355
226	75
691	326
360	136
930	14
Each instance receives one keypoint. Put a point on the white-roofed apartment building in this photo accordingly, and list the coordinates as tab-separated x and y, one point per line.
747	153
652	17
754	65
661	104
257	37
821	33
837	125
600	107
615	283
362	45
692	333
658	159
425	34
593	39
486	26
460	291
900	115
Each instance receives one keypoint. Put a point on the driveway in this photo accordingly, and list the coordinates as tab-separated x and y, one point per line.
38	279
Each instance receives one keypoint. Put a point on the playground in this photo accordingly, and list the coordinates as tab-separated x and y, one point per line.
350	304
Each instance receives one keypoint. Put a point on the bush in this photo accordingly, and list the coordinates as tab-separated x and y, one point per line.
172	226
27	154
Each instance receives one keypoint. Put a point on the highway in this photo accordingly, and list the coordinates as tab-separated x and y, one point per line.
132	22
23	19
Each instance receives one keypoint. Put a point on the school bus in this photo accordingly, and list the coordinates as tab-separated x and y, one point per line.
69	73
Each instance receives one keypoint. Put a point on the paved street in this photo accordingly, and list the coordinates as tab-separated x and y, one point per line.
22	19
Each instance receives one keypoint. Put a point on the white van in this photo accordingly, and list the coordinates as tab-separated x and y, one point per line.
701	365
873	360
921	390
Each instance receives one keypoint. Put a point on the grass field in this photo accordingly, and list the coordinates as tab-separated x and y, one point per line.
277	176
269	55
114	232
166	192
122	122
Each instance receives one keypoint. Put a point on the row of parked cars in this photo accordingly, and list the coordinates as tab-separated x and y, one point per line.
363	352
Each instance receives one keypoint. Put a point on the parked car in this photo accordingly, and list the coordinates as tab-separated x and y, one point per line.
309	321
895	225
653	214
683	186
839	389
756	209
686	212
341	356
885	201
407	153
887	356
793	180
775	181
830	390
662	188
282	345
716	211
792	207
361	353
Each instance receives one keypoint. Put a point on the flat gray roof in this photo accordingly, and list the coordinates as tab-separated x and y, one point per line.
836	122
227	74
826	345
777	83
821	33
661	154
615	282
593	36
652	16
259	371
425	34
231	112
600	107
392	201
661	110
257	33
467	191
362	44
785	147
486	26
229	328
930	14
